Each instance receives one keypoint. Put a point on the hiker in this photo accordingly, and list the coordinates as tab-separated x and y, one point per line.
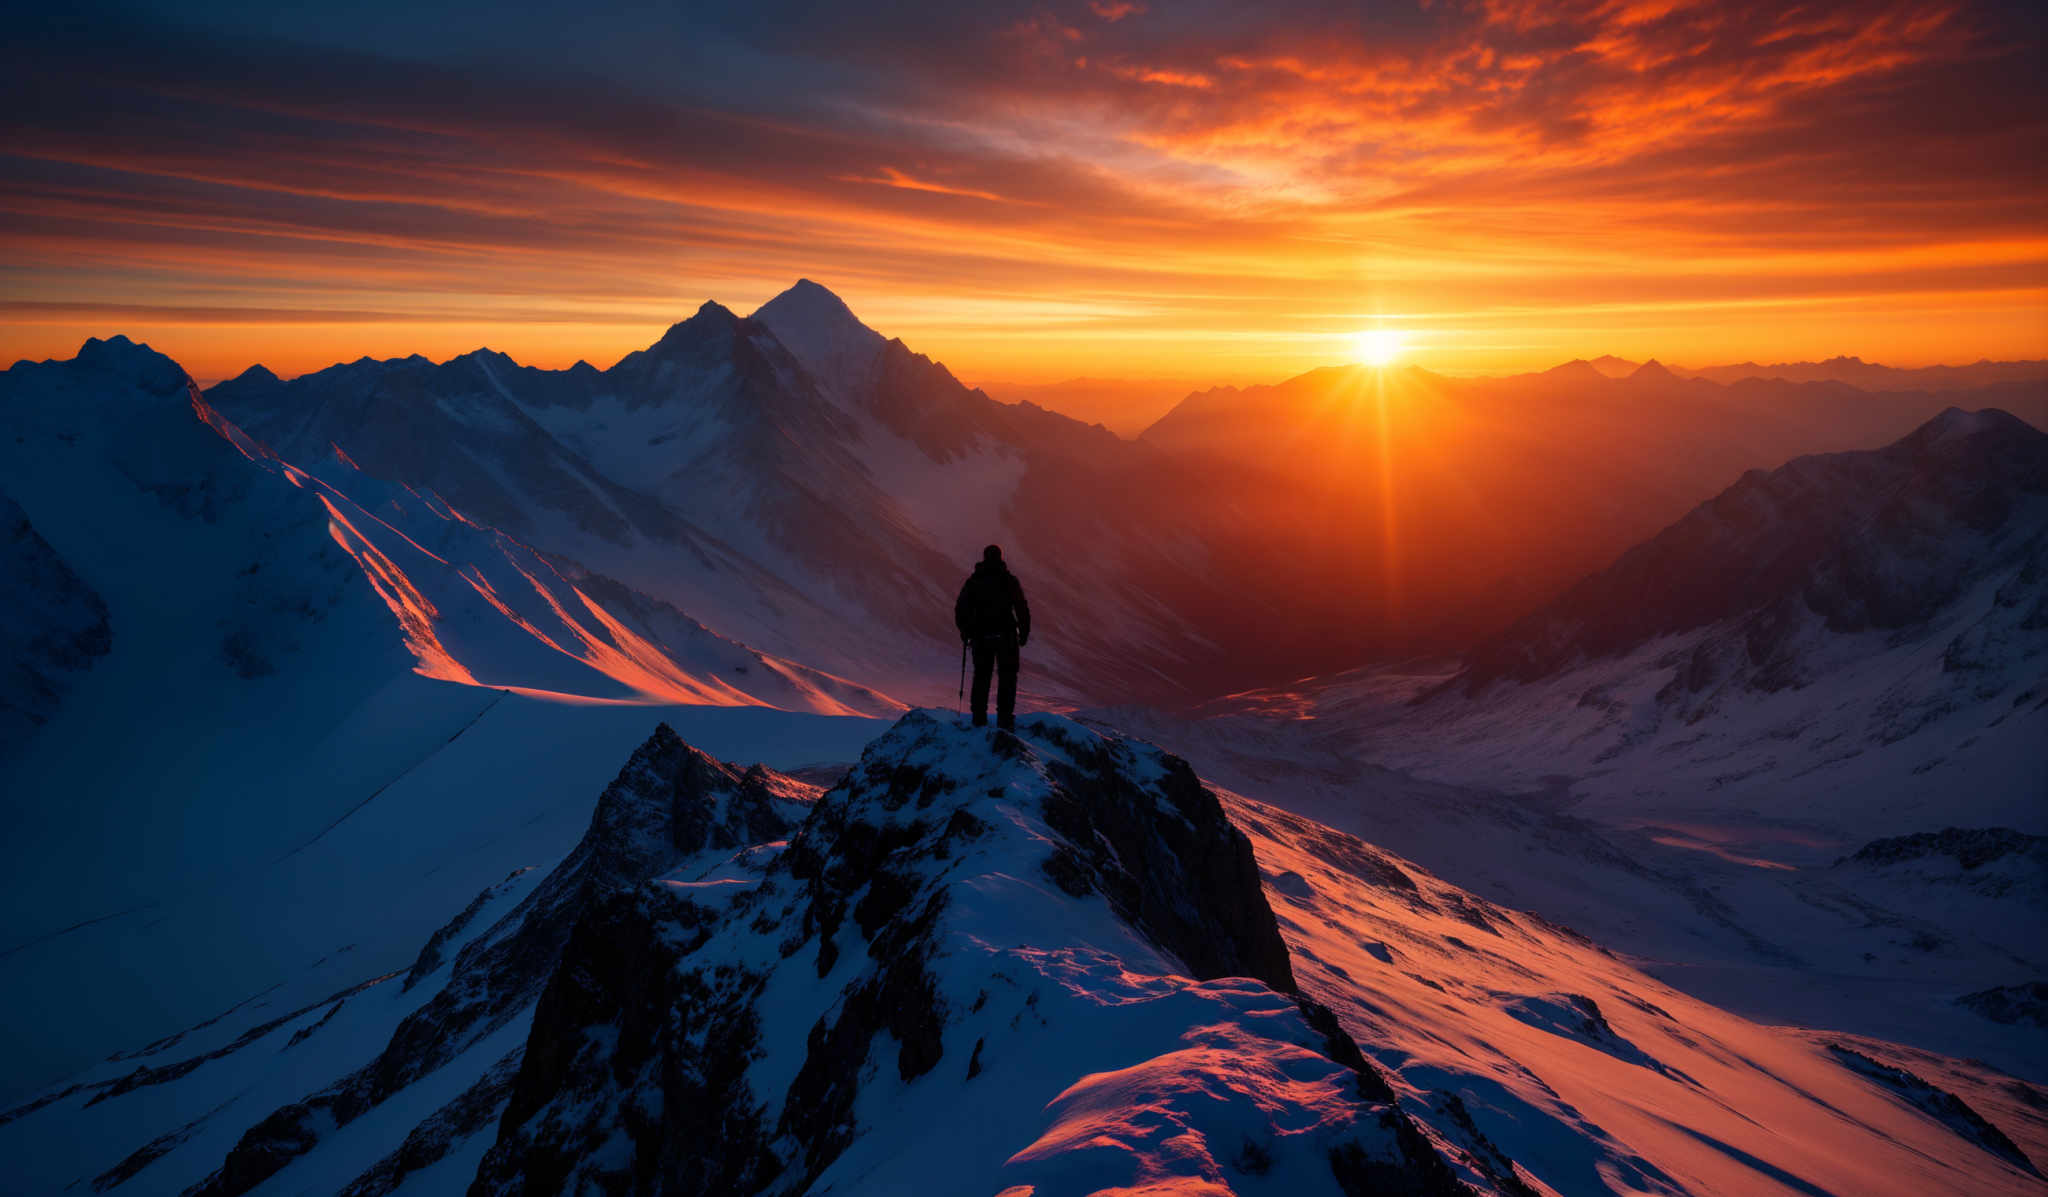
995	621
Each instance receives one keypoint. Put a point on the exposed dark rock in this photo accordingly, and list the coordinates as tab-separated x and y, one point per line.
2014	1005
665	1066
1938	1103
1482	1152
669	802
647	1030
469	1114
430	956
1188	881
1972	847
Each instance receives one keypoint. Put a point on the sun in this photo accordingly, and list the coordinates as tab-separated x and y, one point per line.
1378	346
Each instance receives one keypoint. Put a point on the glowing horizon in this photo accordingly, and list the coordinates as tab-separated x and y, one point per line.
1116	191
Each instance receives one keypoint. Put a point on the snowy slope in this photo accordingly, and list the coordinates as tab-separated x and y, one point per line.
216	657
1044	963
1688	754
1591	1076
402	1036
782	494
56	626
1854	641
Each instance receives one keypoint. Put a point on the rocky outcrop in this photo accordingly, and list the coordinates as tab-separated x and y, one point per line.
2025	1004
1189	881
1971	847
1938	1104
653	1067
671	802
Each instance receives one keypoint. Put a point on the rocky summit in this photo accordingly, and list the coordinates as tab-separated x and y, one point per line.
924	982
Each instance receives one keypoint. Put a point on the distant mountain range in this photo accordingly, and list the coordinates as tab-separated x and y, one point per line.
1850	371
782	479
1127	406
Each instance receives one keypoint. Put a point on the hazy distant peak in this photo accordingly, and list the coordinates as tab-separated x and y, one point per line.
1576	369
1955	424
1612	366
1652	371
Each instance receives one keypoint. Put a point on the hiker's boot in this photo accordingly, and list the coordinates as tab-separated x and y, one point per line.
1007	722
981	718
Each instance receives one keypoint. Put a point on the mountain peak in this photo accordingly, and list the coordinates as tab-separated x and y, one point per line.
823	333
808	300
1578	369
131	360
1954	424
1653	371
710	314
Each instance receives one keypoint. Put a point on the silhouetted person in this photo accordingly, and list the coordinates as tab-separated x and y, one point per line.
994	619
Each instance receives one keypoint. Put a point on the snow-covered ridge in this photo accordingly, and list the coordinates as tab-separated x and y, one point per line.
471	603
1056	962
922	983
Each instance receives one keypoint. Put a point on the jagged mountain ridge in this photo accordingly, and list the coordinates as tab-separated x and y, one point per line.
671	804
787	474
472	604
978	958
902	899
770	496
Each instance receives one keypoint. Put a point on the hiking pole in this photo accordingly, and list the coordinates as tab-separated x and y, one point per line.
961	707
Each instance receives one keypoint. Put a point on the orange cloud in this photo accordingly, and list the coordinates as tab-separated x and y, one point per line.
1194	194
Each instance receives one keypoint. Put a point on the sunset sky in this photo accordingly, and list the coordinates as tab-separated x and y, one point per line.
1123	188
